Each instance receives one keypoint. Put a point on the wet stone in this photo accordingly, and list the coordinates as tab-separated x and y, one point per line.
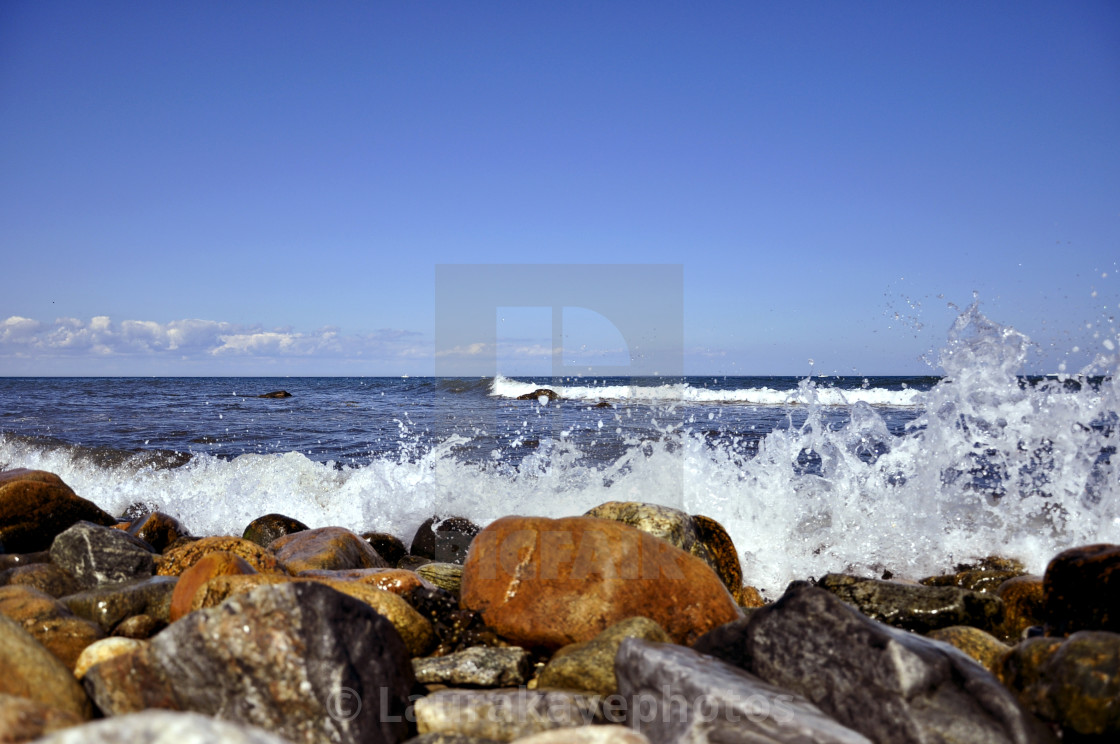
46	577
444	540
33	672
447	576
108	605
983	648
1081	590
331	548
478	666
186	553
49	621
96	555
589	666
265	530
139	627
35	506
158	530
395	580
1023	600
190	581
456	629
916	607
387	546
16	560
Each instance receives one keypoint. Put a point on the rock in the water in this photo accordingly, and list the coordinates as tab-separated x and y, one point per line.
984	576
589	666
477	666
674	694
276	394
210	565
49	621
178	559
887	684
297	659
724	558
505	714
444	540
24	720
983	648
331	548
163	727
540	393
96	555
1074	682
1023	600
671	525
33	672
158	530
108	605
46	577
265	530
103	650
447	576
35	506
547	583
914	606
1082	590
387	546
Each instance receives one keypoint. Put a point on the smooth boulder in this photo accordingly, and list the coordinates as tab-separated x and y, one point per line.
35	506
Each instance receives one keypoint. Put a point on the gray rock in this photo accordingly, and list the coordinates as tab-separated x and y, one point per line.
95	555
478	666
669	524
674	694
297	659
915	606
505	714
108	605
163	727
886	683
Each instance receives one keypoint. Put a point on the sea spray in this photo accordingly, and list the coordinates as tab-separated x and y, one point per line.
989	463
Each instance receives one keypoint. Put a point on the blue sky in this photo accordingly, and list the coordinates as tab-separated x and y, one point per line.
267	187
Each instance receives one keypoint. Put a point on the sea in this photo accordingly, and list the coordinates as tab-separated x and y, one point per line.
809	475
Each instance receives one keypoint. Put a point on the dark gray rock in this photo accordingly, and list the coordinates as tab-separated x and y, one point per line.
674	694
915	606
158	529
478	666
109	604
95	555
298	659
886	683
163	727
444	540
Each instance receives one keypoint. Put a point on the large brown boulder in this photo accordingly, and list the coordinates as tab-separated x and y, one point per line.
549	582
1081	590
35	506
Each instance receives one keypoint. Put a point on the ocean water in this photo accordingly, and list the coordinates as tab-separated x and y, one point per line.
809	475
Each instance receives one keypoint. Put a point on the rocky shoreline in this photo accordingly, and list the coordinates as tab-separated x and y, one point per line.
632	623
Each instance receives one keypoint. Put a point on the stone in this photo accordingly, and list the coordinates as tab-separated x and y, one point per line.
673	694
455	628
35	506
1081	589
139	627
724	558
983	648
24	720
331	548
158	530
46	577
387	546
103	650
395	580
49	621
178	559
606	734
1073	682
16	560
546	583
538	394
163	727
108	605
219	563
727	643
449	739
447	576
412	627
887	684
985	576
672	525
589	666
477	666
33	672
265	530
413	562
96	555
298	659
276	394
504	714
444	540
914	606
1023	600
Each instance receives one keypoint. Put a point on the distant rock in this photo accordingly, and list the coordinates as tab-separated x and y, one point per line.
540	393
276	394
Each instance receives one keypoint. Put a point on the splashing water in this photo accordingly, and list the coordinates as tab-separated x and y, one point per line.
994	464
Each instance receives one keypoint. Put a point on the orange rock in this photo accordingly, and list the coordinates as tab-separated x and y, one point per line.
395	580
1022	606
49	621
329	548
549	582
35	506
178	559
210	565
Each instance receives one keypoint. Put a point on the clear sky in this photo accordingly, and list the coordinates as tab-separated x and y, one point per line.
267	187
